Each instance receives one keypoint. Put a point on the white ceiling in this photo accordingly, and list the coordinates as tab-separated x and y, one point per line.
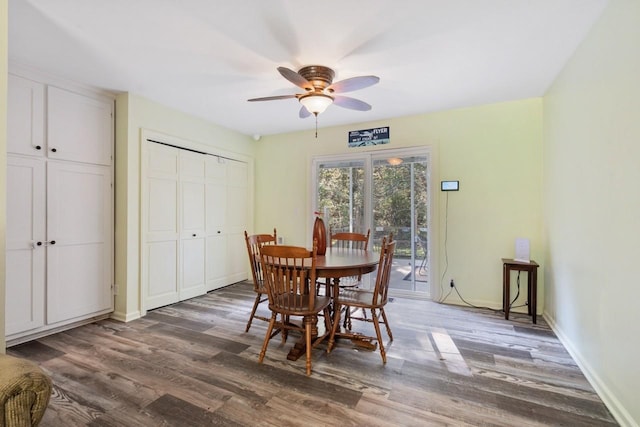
207	57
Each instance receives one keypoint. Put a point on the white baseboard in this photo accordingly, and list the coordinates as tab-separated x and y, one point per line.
618	411
125	317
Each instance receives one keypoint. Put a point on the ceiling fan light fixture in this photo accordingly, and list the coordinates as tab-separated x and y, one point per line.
316	103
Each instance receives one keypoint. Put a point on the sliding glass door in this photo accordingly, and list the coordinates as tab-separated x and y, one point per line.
388	193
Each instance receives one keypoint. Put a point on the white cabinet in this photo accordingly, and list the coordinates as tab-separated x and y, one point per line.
25	117
194	217
79	127
59	208
79	221
26	237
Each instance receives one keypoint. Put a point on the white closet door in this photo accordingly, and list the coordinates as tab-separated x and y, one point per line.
80	246
237	209
160	263
25	117
79	128
216	223
25	268
193	224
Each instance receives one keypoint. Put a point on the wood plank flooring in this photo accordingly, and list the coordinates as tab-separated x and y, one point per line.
192	364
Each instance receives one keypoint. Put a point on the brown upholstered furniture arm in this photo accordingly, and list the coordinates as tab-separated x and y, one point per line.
24	392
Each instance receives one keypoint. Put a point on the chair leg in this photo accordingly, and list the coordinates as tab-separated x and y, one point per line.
328	325
267	337
253	312
376	323
386	323
308	324
336	324
285	330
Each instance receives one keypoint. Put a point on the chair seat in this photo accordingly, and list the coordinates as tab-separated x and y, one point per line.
357	298
301	305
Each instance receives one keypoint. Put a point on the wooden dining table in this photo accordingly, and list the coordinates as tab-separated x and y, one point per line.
335	264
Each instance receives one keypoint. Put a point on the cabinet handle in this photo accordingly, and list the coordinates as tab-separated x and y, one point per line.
53	242
219	231
39	243
37	147
54	149
194	235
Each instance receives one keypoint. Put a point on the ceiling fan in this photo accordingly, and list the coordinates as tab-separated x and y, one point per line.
317	81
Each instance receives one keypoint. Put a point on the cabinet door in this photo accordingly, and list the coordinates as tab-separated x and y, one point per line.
79	128
25	117
79	231
160	260
193	224
25	285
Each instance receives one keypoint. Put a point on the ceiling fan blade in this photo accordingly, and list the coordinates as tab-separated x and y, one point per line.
354	83
295	78
272	98
304	113
351	103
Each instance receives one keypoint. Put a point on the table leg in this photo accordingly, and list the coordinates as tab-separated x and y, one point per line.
300	347
505	291
534	294
529	292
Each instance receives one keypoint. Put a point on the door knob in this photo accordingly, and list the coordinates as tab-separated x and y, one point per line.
54	150
37	147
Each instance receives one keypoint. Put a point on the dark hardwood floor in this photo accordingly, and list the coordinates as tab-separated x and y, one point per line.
192	364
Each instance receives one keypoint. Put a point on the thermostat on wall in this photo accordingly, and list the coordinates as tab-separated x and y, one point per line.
449	185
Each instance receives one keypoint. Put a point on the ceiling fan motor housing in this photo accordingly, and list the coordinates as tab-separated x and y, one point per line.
320	77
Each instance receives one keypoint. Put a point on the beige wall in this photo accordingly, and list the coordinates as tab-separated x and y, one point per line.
592	207
3	162
135	113
494	150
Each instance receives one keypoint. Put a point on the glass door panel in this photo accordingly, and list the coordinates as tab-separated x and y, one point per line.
400	206
340	195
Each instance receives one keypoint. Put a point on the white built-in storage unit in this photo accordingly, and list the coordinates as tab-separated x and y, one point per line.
59	206
194	213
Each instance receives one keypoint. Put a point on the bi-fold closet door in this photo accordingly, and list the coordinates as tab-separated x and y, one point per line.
193	219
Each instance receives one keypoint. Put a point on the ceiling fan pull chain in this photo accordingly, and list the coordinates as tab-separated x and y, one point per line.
316	114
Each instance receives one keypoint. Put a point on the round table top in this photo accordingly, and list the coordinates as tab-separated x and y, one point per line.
337	263
336	258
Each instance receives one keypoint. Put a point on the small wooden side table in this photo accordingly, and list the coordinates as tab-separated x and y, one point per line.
531	268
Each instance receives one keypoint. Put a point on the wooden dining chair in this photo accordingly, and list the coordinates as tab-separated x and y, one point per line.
290	280
254	242
374	300
349	240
